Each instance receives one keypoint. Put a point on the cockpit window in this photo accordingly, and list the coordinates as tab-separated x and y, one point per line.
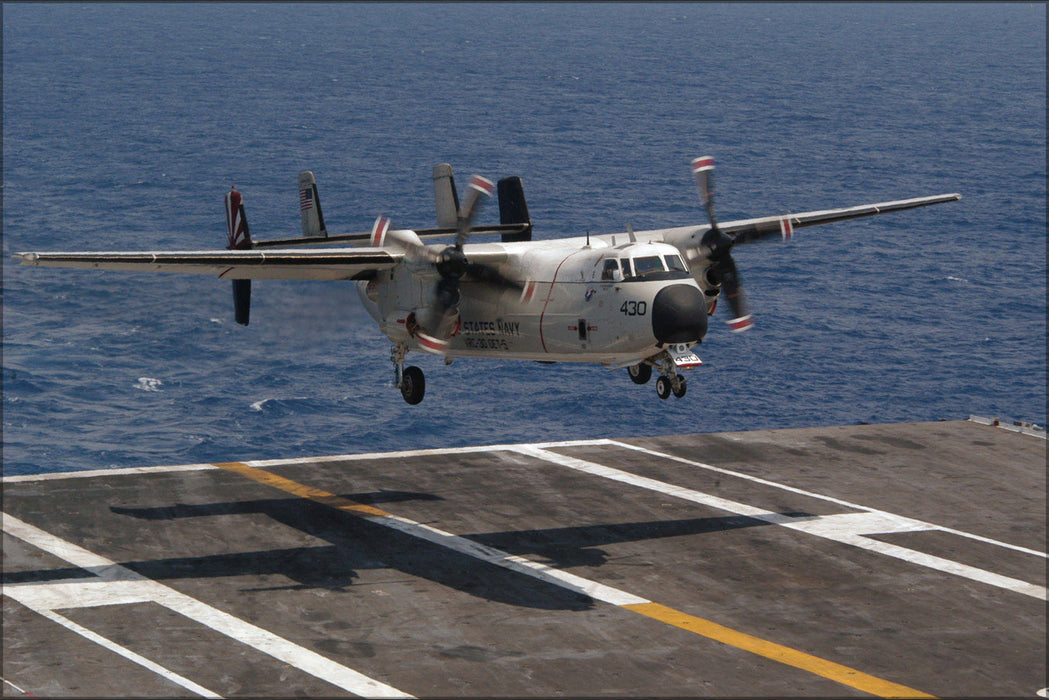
661	264
610	271
651	263
674	263
627	272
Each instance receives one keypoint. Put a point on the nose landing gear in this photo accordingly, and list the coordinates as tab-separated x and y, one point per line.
667	385
667	362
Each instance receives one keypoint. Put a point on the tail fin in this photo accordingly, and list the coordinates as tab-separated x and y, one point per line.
237	232
239	237
310	207
513	209
445	195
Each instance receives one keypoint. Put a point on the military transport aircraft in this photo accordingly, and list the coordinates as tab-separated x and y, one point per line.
637	299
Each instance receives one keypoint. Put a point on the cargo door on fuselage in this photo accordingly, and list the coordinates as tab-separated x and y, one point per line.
571	319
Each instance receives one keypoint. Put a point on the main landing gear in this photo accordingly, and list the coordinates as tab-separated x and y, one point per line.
669	381
409	380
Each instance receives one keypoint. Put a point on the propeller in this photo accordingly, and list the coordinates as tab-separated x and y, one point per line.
452	266
719	244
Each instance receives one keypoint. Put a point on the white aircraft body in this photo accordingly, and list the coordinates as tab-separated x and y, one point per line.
638	300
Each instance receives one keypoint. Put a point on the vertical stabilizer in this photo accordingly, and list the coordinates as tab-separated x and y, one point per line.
445	196
239	238
513	209
310	207
237	233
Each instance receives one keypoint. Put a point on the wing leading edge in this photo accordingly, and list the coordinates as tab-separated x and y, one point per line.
331	264
751	229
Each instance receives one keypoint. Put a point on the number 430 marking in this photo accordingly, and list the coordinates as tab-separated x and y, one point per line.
634	308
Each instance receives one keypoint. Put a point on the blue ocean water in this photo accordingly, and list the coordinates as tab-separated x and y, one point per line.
124	125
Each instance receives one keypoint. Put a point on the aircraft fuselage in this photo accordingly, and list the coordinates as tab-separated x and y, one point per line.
611	304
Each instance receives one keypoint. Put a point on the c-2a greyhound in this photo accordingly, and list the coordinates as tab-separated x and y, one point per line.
638	299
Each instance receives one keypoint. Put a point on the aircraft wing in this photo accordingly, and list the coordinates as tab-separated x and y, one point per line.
328	264
752	229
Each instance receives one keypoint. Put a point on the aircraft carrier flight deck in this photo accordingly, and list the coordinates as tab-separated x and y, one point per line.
865	560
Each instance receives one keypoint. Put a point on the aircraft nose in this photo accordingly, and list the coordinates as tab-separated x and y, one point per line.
679	314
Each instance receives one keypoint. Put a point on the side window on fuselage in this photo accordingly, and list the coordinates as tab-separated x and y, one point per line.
675	264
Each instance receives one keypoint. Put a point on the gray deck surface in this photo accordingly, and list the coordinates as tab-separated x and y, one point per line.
838	561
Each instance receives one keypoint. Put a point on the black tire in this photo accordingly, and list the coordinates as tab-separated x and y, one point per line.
679	388
640	373
663	387
413	386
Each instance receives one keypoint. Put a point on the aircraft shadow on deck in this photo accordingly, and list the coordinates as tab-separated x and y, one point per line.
357	544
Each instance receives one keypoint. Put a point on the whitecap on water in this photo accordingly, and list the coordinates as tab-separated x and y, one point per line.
279	403
149	384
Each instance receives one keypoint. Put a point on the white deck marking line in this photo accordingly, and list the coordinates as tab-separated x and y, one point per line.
20	690
845	528
490	555
127	653
116	471
916	525
128	586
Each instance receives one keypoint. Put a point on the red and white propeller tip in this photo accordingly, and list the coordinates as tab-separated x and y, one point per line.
379	229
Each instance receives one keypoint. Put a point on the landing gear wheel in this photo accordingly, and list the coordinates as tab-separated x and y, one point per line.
679	388
413	386
663	388
640	373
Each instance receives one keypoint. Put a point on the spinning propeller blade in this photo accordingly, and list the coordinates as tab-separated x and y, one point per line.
722	269
478	191
451	265
703	174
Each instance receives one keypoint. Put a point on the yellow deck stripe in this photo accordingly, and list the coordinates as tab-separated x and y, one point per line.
303	491
770	650
777	652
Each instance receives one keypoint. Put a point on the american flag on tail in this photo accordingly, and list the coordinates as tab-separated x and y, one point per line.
306	199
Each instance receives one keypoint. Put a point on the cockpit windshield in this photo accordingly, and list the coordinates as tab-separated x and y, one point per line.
646	264
641	262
